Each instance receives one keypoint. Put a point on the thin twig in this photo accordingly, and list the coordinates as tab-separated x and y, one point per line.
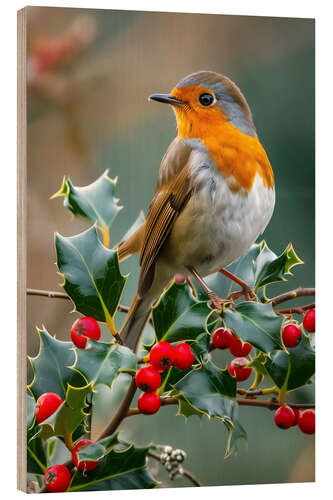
298	292
296	310
61	295
186	473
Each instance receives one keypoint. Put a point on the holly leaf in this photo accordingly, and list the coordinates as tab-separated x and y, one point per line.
100	363
258	267
95	201
36	457
113	465
236	433
92	277
52	367
294	369
185	409
210	390
135	480
69	415
180	316
271	268
96	451
255	323
259	363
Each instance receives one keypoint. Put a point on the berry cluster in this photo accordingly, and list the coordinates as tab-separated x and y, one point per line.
148	378
286	417
172	460
57	478
225	339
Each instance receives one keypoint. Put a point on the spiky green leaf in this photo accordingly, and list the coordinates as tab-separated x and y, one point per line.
114	465
180	316
294	369
100	363
91	272
255	323
52	367
95	201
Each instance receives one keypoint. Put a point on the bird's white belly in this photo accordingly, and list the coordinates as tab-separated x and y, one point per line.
217	225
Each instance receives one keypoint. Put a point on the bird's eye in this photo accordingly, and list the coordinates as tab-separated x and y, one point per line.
206	99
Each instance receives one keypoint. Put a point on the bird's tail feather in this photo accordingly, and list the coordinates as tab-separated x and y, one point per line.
136	321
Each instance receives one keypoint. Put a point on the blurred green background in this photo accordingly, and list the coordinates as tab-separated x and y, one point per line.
89	75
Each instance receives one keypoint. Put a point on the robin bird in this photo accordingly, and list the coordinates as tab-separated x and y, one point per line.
214	195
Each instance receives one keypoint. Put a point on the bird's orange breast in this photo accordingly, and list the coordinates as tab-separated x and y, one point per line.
237	155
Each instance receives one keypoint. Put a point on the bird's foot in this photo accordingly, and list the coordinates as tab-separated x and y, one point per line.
216	302
247	292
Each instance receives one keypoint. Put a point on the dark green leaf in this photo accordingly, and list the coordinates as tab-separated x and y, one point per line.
180	316
36	458
270	268
258	266
135	480
100	363
112	465
92	276
209	390
255	323
95	201
96	451
52	367
292	370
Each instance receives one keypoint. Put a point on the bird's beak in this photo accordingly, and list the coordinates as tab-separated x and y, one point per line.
166	98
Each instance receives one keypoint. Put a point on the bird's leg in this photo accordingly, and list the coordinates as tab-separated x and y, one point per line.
246	289
215	301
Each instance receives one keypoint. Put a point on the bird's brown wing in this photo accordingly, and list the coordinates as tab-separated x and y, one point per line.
174	186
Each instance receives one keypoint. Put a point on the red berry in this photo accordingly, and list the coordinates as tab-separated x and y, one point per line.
180	279
184	357
222	339
149	403
297	414
285	417
239	368
57	479
307	421
161	356
46	405
147	379
291	335
85	465
240	349
85	328
309	320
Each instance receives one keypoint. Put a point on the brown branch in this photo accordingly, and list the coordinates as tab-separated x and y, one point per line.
298	292
271	404
296	310
61	295
120	414
186	473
